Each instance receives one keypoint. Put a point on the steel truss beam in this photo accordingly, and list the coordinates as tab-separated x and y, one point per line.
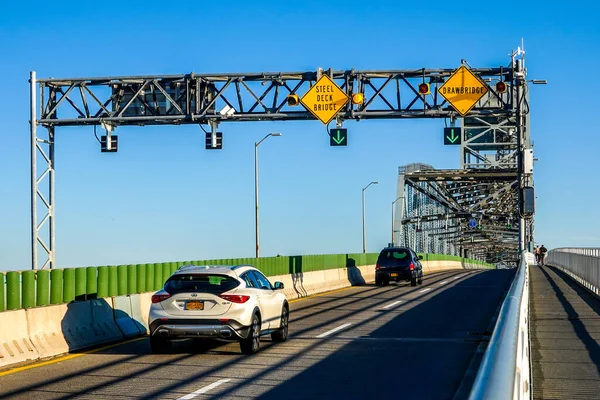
199	98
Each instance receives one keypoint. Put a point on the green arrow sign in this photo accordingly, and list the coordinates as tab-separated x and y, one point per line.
452	135
338	137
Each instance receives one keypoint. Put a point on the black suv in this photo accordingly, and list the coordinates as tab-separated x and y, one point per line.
398	264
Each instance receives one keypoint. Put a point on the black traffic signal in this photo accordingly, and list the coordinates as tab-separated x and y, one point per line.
452	135
218	144
114	144
338	137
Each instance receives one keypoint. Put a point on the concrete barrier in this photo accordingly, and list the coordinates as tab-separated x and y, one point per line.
124	317
145	303
49	331
69	327
46	331
104	326
15	345
140	318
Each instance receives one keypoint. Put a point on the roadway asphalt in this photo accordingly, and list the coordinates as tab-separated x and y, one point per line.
396	342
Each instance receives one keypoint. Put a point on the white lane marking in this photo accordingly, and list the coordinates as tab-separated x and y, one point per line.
443	283
425	290
456	277
339	328
204	389
392	304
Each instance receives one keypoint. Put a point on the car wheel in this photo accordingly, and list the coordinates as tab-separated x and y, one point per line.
282	334
378	282
420	281
160	345
413	282
251	344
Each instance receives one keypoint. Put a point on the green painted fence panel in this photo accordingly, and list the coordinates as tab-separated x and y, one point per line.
13	290
150	278
141	278
158	276
68	285
43	288
166	272
91	282
80	283
28	288
122	280
174	267
113	281
131	279
2	287
102	282
56	286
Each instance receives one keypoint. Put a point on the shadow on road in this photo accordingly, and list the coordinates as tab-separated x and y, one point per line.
432	333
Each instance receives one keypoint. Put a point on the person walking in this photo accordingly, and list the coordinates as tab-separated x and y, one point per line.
543	252
537	255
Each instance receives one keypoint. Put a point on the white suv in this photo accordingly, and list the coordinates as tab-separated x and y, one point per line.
229	303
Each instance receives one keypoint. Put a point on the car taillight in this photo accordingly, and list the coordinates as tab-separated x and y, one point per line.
377	267
157	298
235	298
412	266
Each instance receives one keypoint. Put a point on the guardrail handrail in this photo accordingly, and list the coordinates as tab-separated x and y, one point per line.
506	363
581	263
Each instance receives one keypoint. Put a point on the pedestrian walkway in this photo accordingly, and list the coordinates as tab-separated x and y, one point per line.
565	337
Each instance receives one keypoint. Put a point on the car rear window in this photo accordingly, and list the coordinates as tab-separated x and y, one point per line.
394	258
206	283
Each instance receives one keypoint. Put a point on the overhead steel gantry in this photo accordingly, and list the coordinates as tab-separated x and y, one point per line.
212	99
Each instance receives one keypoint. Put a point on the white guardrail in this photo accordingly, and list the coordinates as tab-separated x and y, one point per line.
505	369
581	264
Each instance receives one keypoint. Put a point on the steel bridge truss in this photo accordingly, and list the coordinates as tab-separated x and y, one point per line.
212	99
438	205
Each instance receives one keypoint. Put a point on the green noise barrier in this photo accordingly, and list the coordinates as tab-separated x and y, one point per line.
2	302
166	272
56	286
141	278
80	283
68	285
158	280
131	279
122	280
13	290
113	281
102	282
91	285
28	289
43	288
150	277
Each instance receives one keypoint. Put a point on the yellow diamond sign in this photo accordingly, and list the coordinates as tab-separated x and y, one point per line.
463	90
325	99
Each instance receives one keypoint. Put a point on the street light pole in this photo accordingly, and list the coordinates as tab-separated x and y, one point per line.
364	234
256	226
394	202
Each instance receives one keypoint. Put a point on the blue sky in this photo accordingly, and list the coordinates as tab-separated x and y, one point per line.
162	197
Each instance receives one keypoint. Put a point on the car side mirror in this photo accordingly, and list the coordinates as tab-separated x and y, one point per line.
278	286
419	257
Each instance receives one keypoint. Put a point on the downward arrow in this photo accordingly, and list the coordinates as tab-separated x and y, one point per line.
338	139
452	138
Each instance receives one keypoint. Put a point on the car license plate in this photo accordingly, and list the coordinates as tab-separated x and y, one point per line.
194	305
393	274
